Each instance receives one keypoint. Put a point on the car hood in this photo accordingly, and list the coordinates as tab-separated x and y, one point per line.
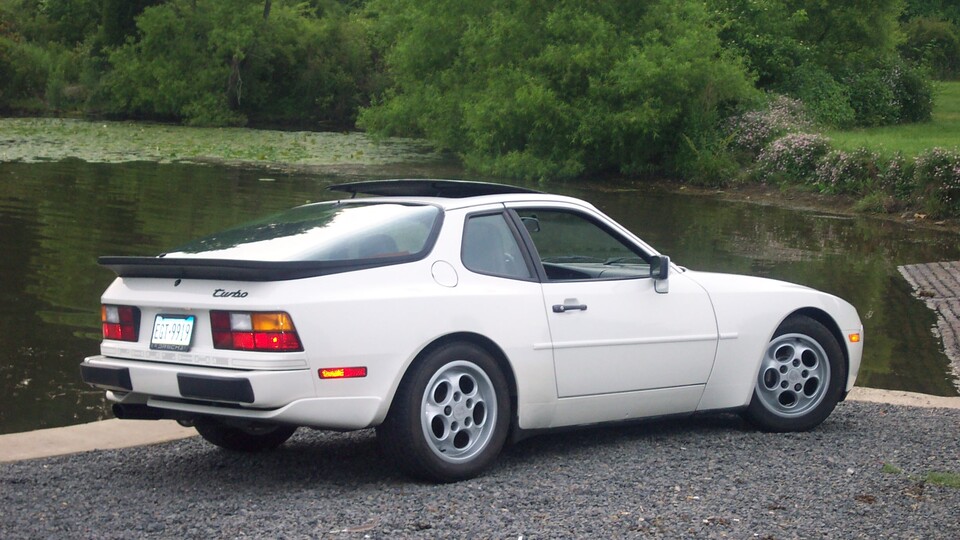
737	297
713	281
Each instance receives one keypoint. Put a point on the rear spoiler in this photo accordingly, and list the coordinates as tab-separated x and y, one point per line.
239	270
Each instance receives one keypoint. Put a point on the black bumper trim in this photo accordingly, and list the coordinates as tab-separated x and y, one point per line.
215	388
107	377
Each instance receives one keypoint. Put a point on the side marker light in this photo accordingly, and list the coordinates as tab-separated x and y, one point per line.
343	372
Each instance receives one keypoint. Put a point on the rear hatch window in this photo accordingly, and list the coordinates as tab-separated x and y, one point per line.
325	232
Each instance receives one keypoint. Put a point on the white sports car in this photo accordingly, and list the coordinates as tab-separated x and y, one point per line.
451	316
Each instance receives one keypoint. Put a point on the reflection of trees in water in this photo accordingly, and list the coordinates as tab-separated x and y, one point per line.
854	258
86	210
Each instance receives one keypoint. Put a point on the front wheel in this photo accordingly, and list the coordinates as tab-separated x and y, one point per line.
450	416
801	377
246	438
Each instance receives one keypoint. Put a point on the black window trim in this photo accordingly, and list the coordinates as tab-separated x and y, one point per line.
529	246
533	268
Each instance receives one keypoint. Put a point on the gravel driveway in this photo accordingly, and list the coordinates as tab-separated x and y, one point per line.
709	477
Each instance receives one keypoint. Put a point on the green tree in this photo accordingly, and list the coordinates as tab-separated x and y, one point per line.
553	89
216	62
933	42
840	58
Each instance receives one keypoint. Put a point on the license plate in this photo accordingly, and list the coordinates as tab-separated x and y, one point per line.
172	332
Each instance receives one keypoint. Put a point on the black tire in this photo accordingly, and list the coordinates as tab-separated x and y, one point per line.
450	416
249	438
801	378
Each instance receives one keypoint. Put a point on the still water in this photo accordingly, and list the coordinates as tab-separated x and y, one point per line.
56	218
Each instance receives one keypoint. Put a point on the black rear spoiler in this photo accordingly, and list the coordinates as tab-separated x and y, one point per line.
239	270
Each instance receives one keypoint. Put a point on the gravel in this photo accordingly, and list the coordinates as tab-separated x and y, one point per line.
862	474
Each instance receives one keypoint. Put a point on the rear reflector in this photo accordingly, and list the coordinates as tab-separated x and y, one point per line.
121	323
343	372
246	331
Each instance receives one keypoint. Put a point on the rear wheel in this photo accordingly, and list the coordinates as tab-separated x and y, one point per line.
246	438
450	416
801	377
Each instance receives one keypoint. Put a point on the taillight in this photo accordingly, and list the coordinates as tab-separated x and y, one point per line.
121	323
245	331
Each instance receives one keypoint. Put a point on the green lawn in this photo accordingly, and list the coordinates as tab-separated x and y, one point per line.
911	139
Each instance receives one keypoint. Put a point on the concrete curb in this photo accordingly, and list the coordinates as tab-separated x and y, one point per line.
112	434
103	435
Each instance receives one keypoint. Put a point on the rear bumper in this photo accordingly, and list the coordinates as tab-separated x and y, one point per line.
277	396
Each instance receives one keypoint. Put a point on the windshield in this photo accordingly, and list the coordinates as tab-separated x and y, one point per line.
324	232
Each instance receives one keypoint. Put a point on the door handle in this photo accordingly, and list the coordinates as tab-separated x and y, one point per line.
563	308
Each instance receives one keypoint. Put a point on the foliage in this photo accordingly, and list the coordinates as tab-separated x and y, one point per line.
23	75
793	158
848	173
553	89
268	60
753	129
937	177
935	43
839	58
826	99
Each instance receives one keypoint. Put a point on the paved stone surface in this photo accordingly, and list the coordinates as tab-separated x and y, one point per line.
938	285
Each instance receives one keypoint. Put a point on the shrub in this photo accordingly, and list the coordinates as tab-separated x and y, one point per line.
892	94
873	99
826	100
937	176
23	74
934	43
752	130
848	173
897	176
913	92
792	158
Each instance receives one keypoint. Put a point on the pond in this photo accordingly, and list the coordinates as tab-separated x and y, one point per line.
57	217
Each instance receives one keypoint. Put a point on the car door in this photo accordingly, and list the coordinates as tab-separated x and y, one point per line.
611	331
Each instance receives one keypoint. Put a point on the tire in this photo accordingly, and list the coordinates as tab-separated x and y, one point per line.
250	438
801	378
450	416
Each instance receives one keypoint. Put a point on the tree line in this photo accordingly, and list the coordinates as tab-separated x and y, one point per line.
526	89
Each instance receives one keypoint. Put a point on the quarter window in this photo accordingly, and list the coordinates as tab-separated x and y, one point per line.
490	247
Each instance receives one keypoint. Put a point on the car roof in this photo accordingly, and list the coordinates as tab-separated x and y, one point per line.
448	194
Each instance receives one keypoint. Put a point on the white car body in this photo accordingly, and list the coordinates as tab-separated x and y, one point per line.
645	347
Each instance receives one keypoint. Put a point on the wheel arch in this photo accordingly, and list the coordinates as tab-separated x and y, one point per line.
480	341
831	325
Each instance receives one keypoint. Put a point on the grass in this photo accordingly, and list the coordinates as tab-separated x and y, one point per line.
943	130
948	479
939	478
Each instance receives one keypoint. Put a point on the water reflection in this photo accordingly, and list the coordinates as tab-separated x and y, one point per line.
56	218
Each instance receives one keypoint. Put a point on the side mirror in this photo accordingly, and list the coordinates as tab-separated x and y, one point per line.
659	271
532	223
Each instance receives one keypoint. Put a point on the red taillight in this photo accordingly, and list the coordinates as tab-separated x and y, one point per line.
121	323
245	331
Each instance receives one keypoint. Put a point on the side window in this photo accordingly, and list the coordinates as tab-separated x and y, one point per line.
489	247
573	247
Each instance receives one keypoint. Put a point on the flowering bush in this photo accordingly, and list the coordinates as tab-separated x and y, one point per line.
792	158
850	173
937	176
896	176
752	130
